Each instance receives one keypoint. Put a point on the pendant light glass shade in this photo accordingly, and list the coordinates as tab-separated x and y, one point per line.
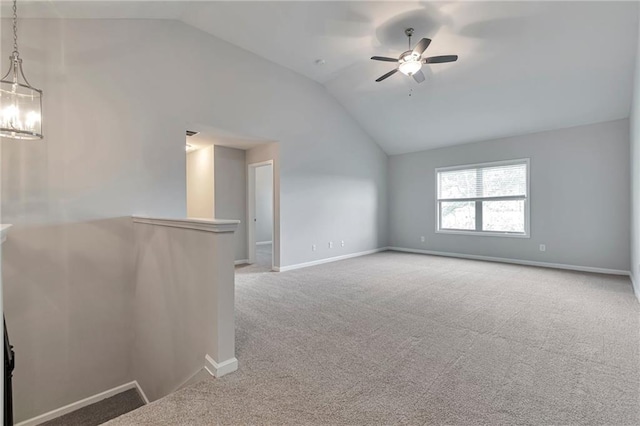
20	103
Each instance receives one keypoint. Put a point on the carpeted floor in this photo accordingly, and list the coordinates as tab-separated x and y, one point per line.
399	338
263	261
100	412
264	254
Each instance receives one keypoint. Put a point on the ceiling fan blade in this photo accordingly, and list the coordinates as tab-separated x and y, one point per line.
441	59
387	75
382	58
419	76
421	46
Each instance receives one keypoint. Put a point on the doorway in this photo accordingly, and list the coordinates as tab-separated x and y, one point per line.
260	213
237	177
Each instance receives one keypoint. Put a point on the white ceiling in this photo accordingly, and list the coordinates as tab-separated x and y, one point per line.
208	136
202	140
523	67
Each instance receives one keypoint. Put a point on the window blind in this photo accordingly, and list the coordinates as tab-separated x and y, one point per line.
498	181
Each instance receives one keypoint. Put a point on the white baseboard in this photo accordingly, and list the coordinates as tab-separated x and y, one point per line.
514	261
58	412
634	284
263	243
241	262
328	260
220	369
141	392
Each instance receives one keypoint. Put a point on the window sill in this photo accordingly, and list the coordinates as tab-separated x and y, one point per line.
484	234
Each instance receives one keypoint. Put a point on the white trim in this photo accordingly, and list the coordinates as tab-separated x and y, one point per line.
251	209
141	392
208	225
241	262
484	165
3	232
264	243
220	369
527	200
262	163
482	233
328	260
58	412
514	261
634	285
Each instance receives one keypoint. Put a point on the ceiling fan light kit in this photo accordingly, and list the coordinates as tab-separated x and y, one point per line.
410	62
408	65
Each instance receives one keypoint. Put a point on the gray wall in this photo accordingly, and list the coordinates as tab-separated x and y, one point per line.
231	192
68	300
183	304
635	179
264	203
114	128
579	197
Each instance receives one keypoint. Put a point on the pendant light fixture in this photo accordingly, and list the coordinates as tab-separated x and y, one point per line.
20	102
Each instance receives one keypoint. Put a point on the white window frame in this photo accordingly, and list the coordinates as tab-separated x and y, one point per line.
527	201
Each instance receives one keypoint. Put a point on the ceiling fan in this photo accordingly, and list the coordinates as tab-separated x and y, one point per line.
411	61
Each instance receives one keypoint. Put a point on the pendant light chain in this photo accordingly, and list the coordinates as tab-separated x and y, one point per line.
15	28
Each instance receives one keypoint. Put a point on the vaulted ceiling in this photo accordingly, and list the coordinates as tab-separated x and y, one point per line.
523	66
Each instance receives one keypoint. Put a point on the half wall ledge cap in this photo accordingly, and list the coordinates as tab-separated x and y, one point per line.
207	225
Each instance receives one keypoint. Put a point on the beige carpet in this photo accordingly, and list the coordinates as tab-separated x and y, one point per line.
399	338
263	255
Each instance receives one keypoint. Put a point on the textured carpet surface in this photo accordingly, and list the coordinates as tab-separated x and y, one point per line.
100	412
263	255
263	261
400	338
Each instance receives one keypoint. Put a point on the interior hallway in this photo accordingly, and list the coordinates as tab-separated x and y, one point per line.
262	264
264	255
402	338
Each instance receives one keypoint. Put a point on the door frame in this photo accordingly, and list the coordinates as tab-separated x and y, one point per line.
251	209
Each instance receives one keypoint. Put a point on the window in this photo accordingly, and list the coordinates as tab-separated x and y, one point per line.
484	199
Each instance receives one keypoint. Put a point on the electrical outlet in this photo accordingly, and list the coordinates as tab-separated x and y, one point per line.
422	239
313	247
543	247
342	243
330	244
